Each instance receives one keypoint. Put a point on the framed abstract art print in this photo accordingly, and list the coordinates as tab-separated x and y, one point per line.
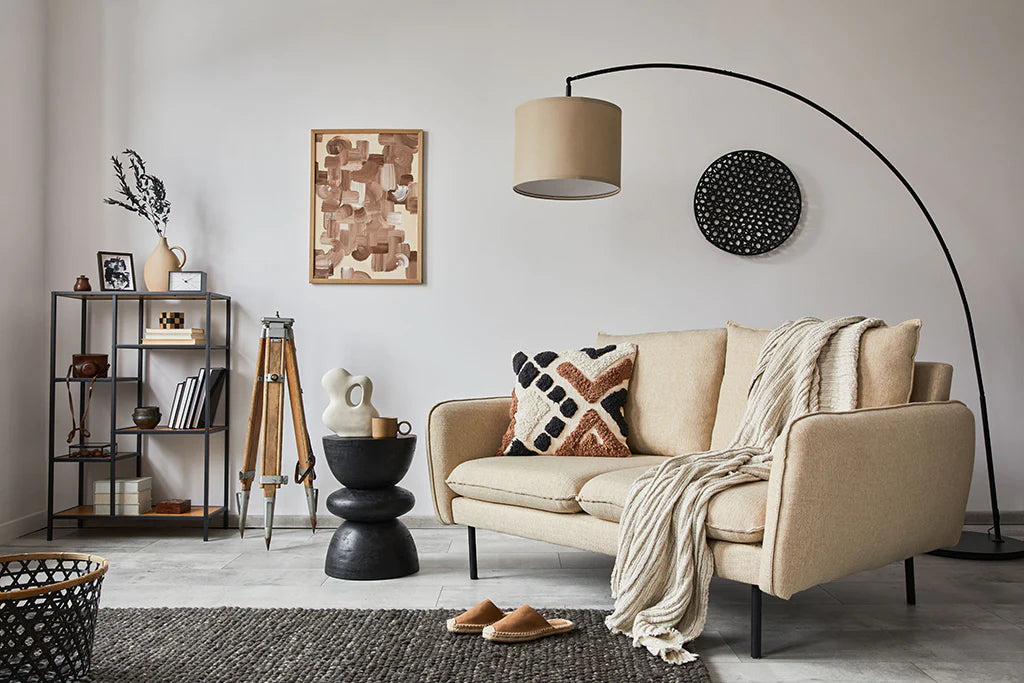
366	207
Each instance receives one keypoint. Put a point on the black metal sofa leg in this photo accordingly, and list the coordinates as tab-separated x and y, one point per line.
755	622
908	572
472	552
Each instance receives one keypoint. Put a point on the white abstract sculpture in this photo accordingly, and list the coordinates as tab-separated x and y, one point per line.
342	416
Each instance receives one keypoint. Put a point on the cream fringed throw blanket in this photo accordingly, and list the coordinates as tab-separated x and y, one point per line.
663	566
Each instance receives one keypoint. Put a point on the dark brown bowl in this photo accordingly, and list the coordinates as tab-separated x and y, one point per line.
146	417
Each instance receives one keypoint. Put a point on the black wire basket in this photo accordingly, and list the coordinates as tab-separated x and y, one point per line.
48	607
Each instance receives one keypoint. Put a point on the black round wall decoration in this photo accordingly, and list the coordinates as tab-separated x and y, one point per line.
747	202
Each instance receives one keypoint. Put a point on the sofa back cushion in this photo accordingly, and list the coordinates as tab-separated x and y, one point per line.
885	375
673	395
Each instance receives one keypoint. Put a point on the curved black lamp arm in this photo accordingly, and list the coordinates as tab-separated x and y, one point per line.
906	184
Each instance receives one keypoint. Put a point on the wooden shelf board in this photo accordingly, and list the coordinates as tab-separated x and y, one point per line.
87	511
162	429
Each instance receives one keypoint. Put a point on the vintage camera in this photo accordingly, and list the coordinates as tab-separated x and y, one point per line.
89	365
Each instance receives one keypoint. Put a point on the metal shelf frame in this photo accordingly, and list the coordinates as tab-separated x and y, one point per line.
114	381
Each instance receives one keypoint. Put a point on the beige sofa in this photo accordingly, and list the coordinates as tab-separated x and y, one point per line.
848	491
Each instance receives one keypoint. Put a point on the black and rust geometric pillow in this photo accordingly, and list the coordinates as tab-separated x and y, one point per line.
570	403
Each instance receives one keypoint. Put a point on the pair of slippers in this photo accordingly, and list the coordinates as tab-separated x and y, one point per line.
520	626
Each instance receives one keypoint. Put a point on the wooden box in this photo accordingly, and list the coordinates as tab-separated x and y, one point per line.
174	506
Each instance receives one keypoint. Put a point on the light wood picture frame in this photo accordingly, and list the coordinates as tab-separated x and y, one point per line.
366	206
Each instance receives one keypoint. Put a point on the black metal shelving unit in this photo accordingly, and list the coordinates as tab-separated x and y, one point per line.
83	512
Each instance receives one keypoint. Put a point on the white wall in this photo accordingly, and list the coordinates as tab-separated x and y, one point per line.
23	302
220	97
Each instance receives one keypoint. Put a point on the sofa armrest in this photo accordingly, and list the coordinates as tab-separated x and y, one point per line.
458	431
858	490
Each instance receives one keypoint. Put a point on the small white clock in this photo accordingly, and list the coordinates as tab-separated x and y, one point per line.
186	281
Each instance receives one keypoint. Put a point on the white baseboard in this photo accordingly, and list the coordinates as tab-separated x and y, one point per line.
325	521
328	521
22	525
36	521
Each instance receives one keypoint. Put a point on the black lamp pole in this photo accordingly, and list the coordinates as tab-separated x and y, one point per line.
972	545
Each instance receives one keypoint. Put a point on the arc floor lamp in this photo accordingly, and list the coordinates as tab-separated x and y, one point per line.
570	148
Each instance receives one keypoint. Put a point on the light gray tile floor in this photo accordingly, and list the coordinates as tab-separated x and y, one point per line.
968	624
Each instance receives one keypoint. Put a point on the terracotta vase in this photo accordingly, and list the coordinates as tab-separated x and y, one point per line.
160	262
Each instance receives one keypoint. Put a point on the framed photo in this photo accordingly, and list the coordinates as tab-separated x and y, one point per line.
366	207
117	271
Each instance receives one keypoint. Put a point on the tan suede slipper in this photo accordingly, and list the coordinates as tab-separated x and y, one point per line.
523	625
475	619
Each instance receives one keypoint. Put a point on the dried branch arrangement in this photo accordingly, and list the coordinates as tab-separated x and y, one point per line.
148	199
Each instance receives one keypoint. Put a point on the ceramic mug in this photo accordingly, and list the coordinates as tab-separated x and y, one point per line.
388	427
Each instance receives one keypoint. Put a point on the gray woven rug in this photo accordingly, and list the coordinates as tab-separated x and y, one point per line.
399	646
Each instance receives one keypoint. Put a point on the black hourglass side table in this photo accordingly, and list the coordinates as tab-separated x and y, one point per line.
371	543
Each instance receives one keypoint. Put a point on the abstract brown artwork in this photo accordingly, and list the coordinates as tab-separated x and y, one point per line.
366	207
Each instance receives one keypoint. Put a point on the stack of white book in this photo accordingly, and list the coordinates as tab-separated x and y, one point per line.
188	336
131	496
188	408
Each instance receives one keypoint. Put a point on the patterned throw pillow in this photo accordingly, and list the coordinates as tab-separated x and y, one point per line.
570	403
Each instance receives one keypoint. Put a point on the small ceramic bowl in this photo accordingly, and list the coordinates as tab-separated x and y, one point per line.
146	417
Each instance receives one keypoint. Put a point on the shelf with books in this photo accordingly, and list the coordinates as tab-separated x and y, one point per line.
164	429
203	406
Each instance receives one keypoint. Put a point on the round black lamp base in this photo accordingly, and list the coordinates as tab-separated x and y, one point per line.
975	545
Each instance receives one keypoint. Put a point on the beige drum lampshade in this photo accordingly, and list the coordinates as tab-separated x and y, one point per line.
568	148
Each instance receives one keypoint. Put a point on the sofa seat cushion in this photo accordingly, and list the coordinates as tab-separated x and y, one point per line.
735	514
541	482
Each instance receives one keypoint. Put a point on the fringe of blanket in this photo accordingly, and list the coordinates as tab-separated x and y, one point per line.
664	565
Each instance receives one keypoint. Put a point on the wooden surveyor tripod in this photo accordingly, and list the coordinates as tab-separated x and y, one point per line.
275	363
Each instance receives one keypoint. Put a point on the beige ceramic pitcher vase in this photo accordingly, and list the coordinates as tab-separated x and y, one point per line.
161	262
343	416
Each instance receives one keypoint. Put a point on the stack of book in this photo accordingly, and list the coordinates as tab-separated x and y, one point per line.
190	336
131	496
188	409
